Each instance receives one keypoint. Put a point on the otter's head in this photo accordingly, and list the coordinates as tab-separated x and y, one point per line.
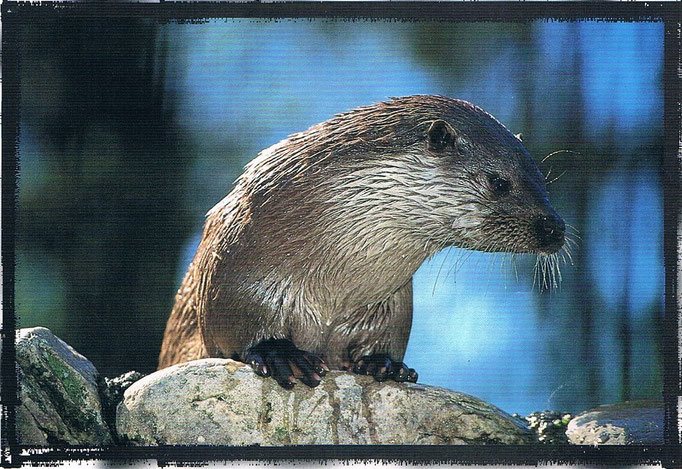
501	194
406	177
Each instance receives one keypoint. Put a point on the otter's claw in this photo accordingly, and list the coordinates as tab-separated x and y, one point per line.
281	359
382	367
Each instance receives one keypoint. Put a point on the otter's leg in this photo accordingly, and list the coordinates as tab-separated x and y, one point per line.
234	325
282	360
229	335
381	351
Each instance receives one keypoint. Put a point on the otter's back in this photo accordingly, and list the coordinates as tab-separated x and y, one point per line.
182	339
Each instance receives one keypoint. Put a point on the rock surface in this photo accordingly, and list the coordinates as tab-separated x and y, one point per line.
58	393
634	422
217	401
549	426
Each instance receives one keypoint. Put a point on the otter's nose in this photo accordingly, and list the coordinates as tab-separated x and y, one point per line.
550	231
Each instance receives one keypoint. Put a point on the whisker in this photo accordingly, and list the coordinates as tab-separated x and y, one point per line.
557	268
513	263
567	250
562	254
556	178
435	282
570	240
574	231
464	255
576	235
536	270
544	273
557	152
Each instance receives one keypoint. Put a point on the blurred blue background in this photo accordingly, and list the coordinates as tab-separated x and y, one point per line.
131	131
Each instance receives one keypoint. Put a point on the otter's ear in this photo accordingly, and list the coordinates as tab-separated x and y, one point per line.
439	136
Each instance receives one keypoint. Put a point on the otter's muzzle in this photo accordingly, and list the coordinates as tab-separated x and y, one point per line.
550	230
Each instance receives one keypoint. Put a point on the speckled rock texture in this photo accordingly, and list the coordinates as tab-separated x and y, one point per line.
633	422
549	426
58	393
222	402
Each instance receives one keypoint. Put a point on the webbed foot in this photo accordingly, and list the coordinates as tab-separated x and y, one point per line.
281	359
382	368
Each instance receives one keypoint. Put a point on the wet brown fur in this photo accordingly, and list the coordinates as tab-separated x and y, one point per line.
320	237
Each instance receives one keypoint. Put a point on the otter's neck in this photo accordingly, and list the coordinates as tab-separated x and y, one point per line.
355	236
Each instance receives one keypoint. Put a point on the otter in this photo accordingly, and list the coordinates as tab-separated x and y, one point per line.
307	264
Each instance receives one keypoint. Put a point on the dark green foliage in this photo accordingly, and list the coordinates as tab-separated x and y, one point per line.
107	207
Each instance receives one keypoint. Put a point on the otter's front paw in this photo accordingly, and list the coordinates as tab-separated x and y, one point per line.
382	367
281	359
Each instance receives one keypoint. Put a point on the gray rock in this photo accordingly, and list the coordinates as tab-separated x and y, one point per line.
548	425
634	422
58	393
222	402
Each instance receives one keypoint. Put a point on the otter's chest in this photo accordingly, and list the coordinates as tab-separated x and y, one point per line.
362	330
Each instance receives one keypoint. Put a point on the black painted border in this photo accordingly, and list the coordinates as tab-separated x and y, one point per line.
397	10
9	175
479	454
669	454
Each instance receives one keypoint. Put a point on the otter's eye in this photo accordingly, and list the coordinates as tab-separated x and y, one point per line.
501	186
